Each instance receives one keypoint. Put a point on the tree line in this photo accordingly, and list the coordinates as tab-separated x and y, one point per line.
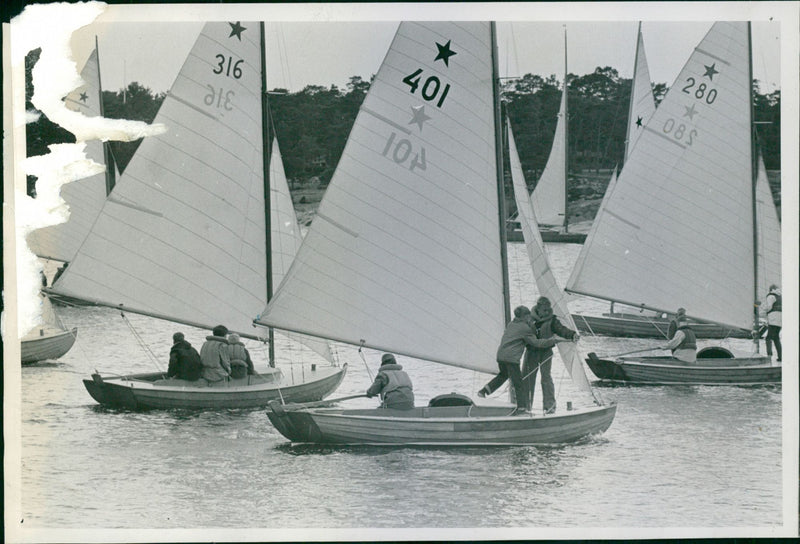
312	125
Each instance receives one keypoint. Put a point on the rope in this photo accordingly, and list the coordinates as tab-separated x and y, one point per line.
587	324
141	342
361	353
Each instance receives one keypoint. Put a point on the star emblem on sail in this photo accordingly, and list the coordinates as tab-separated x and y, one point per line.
444	53
84	97
418	116
711	71
237	29
690	112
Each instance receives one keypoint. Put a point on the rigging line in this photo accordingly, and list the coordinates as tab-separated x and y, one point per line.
591	331
361	354
141	342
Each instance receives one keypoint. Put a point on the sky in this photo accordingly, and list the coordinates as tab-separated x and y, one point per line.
313	45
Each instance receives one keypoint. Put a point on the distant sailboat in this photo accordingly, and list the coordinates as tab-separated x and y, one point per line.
407	251
684	225
641	324
183	236
549	197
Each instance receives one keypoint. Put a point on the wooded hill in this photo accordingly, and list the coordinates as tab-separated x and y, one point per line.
313	124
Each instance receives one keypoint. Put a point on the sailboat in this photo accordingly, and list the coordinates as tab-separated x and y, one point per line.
407	251
549	197
641	323
183	237
690	223
60	242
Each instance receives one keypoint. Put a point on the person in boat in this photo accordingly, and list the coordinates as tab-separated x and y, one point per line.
683	342
184	361
241	364
546	325
673	323
516	337
215	357
393	385
772	308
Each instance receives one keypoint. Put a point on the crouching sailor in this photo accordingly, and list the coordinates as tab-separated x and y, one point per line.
684	343
393	385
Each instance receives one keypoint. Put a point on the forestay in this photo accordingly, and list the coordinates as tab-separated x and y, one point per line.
404	252
183	233
549	195
543	274
84	197
642	104
677	229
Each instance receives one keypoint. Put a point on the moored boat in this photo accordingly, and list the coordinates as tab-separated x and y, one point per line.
636	326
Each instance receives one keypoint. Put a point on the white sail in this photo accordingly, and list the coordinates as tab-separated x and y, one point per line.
549	195
404	252
84	197
769	234
545	280
677	229
286	238
182	236
642	103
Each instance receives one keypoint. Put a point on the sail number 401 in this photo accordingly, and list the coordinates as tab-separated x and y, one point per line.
401	151
430	88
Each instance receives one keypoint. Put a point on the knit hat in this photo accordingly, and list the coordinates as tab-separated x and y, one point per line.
177	337
233	338
543	301
521	311
388	359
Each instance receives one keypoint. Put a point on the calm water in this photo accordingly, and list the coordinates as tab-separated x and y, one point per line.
674	456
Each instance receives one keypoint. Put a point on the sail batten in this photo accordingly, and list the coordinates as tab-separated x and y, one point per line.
404	254
677	229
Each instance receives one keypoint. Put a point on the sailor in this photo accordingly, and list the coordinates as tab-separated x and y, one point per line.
774	321
215	357
241	363
516	337
546	325
684	343
184	361
393	385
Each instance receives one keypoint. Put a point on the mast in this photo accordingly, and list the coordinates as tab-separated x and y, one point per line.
265	145
106	145
630	102
753	179
501	194
566	136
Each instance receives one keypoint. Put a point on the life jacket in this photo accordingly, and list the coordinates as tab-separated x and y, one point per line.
397	379
776	306
689	338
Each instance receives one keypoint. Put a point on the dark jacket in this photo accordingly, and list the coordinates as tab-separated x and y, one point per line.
184	362
546	325
394	387
517	335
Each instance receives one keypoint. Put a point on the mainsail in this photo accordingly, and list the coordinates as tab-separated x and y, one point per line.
678	228
404	253
182	236
84	197
545	280
549	197
642	104
769	234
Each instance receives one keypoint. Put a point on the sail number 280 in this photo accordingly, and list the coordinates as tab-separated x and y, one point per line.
431	87
679	132
400	151
700	92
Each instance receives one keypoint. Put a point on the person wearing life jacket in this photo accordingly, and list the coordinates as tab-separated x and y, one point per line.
215	357
393	385
241	363
684	343
773	308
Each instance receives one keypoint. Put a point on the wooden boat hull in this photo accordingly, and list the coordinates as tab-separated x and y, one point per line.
549	236
48	346
439	426
670	371
632	326
147	391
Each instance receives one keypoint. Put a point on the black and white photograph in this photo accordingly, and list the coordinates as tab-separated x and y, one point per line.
436	271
